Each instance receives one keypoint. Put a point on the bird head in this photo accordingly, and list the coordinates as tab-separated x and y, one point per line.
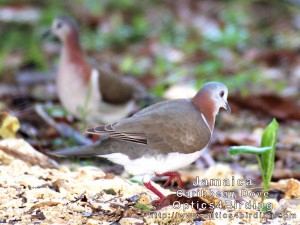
63	27
214	94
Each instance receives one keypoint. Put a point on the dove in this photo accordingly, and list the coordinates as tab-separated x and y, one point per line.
159	139
84	89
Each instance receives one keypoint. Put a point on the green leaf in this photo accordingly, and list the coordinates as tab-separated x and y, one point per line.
269	139
57	111
127	63
110	191
136	182
234	150
142	206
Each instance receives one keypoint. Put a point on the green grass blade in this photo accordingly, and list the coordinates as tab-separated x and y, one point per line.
234	150
269	139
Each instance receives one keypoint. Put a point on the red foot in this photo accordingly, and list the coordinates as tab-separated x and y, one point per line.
155	191
173	177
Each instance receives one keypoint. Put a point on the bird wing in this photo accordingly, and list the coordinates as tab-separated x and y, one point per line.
114	88
169	126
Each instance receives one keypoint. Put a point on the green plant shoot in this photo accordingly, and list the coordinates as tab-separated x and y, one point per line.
269	139
265	154
234	150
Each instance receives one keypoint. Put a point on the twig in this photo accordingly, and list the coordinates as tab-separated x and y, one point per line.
31	77
63	129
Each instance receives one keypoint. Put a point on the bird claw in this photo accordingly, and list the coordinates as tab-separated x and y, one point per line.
172	180
173	177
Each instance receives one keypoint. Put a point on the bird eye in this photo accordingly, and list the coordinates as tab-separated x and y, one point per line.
58	25
221	94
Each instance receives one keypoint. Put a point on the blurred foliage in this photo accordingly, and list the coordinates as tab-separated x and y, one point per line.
122	24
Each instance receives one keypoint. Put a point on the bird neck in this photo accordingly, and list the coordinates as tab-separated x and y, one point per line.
73	54
207	107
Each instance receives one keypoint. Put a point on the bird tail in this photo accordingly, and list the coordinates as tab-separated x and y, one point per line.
104	147
87	150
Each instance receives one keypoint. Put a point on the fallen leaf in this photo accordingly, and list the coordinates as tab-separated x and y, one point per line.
290	187
20	149
42	204
237	138
275	106
277	57
293	189
285	173
9	125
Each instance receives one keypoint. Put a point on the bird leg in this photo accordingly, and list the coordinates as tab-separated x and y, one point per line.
173	177
154	190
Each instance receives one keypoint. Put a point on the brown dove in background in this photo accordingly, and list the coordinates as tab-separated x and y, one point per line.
86	90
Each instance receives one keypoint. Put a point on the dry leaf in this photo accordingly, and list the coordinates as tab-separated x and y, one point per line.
290	187
275	106
9	125
20	149
293	189
42	204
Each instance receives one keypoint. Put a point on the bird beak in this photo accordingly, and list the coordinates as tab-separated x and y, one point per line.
227	107
47	34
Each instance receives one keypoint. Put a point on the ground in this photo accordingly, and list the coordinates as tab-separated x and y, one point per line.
172	48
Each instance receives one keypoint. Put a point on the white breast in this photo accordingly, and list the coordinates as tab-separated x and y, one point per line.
151	165
73	92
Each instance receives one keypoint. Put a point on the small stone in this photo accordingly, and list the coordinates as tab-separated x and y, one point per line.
87	214
130	221
41	193
144	199
134	198
92	222
89	172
